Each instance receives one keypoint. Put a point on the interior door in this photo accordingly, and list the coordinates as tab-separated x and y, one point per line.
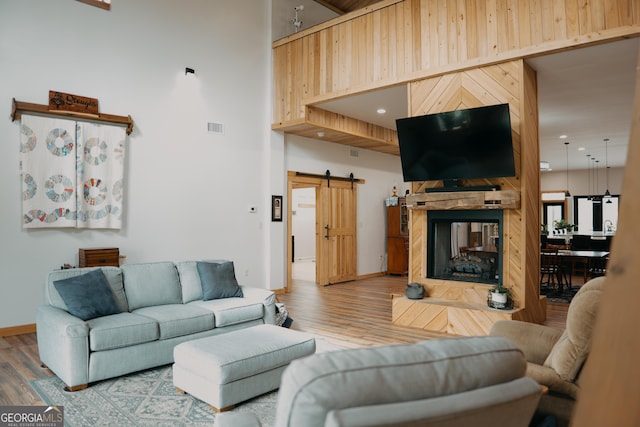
336	232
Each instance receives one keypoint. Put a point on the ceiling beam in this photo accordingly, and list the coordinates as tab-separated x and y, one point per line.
330	6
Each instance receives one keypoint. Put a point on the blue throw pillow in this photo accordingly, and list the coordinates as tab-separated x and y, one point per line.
218	280
87	296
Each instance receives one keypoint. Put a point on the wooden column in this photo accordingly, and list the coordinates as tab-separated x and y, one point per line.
462	305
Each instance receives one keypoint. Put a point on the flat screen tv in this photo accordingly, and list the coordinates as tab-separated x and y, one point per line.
457	145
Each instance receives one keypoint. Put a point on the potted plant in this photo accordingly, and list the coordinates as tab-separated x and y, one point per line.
499	297
561	224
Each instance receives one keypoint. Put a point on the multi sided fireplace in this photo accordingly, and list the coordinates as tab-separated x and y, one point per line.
465	245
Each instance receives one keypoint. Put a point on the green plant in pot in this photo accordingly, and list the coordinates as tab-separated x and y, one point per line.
561	224
499	297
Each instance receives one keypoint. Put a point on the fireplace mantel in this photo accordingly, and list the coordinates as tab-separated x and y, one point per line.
463	200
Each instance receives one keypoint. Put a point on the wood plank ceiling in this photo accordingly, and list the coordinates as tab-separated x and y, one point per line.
345	6
342	129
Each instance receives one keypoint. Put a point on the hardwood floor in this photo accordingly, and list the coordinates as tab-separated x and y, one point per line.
19	364
352	314
358	313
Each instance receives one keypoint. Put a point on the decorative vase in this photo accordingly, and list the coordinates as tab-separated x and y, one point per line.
499	300
415	291
498	297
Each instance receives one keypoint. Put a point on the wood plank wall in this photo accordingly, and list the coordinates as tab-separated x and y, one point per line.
610	382
402	41
513	82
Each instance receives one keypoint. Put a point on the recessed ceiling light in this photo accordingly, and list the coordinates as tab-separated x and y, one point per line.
563	136
381	111
581	149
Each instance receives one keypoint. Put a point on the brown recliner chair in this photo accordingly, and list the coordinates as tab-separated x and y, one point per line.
556	357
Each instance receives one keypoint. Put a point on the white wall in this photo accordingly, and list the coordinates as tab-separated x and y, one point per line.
380	172
580	183
188	190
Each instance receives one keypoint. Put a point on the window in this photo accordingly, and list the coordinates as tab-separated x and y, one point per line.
554	207
596	214
553	211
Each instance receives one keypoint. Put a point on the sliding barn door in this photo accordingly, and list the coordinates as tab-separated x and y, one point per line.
336	232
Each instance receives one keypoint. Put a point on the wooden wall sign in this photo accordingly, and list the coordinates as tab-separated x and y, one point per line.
102	4
59	101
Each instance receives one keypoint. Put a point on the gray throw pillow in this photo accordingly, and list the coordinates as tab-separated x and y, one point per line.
87	296
218	280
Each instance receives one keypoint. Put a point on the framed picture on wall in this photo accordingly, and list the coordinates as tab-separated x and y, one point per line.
276	208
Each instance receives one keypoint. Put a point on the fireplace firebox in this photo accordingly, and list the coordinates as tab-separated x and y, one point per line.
465	245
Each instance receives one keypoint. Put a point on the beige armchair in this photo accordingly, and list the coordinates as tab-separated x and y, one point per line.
556	357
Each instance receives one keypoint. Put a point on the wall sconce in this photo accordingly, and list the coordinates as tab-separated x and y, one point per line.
188	71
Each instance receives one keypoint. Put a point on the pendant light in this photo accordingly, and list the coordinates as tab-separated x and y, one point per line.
607	194
566	193
589	177
597	182
593	171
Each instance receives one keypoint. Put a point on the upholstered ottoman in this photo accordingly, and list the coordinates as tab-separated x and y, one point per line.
227	369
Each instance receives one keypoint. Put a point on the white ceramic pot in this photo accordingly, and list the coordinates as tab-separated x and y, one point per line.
498	297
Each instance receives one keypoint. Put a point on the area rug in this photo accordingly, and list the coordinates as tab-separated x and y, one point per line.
146	398
552	294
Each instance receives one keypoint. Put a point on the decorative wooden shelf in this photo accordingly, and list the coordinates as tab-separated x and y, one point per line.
447	316
463	200
18	107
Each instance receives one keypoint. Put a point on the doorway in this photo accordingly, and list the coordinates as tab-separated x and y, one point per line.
303	234
335	227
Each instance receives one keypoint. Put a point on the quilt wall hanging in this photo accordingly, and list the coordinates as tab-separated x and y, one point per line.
72	173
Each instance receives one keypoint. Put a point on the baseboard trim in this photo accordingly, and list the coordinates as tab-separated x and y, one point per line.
18	330
370	276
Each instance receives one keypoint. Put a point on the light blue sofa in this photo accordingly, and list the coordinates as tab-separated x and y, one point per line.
161	305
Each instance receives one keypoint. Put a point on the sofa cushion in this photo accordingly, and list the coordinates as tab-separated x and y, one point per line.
150	284
88	295
229	311
218	280
176	320
113	275
315	385
190	279
121	330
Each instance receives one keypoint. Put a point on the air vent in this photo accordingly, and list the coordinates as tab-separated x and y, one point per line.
352	152
216	128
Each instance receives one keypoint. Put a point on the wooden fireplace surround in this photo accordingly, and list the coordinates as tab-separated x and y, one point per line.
457	307
453	307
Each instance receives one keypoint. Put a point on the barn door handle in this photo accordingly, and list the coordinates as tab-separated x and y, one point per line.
326	229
